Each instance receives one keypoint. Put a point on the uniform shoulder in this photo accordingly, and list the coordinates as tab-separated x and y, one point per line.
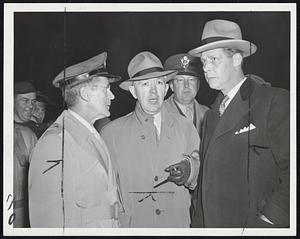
54	129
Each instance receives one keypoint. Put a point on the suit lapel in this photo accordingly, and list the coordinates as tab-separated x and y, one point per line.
236	110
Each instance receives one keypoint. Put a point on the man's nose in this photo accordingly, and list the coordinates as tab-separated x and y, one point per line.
31	104
153	88
186	83
111	95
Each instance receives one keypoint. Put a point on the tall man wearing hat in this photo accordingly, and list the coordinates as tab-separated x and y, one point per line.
244	175
71	179
24	141
147	141
185	86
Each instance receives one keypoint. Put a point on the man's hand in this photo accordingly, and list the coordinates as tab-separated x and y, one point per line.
179	172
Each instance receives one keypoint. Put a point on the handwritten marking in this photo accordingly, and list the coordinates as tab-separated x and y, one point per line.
56	162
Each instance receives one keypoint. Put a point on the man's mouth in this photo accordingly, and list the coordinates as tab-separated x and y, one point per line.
153	99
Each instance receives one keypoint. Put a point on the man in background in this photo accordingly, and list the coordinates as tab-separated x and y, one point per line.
185	86
24	141
37	124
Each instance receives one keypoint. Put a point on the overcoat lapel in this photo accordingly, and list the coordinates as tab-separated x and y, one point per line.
86	139
236	110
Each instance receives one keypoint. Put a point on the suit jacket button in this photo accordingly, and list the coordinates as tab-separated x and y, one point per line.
157	211
156	178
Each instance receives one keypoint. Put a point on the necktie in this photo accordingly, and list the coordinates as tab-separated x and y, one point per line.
156	122
222	105
189	112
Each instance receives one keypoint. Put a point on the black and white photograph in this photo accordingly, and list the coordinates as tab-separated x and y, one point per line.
149	119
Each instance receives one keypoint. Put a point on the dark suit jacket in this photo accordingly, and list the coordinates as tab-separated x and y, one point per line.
245	172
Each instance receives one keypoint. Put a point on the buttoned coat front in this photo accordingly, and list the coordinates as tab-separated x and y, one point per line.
245	161
140	159
199	111
71	181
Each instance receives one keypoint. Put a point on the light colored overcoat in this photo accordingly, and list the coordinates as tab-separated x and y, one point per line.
81	191
140	158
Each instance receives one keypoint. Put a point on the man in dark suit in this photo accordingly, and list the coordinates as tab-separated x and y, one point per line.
245	159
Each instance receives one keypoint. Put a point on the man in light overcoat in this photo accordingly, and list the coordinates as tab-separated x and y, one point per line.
71	179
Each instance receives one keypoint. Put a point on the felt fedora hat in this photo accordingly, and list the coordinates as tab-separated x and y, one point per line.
84	71
223	34
145	65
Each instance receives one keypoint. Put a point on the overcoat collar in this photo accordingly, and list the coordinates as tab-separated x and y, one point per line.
173	102
83	137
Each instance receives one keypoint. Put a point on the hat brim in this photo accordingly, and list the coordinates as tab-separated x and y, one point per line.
168	75
246	47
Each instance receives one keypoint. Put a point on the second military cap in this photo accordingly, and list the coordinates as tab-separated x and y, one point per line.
184	63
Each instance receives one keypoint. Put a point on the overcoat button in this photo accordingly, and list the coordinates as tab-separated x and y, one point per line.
157	211
143	136
156	178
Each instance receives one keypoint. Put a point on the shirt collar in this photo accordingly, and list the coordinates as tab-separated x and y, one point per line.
235	89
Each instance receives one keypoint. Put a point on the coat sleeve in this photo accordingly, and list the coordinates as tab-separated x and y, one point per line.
277	208
45	199
193	143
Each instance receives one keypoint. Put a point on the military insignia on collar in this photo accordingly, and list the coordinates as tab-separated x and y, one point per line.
185	61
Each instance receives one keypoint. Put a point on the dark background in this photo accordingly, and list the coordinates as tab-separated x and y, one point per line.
46	42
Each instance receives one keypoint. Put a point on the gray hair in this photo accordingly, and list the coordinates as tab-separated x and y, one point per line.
72	94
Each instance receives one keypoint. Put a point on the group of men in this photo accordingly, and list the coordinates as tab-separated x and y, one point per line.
169	163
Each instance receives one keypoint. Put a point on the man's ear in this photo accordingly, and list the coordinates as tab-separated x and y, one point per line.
84	94
132	91
166	89
171	84
237	59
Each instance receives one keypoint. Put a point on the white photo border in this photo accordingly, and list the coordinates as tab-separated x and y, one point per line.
8	78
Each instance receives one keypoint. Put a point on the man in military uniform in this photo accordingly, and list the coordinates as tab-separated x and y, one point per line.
185	86
71	179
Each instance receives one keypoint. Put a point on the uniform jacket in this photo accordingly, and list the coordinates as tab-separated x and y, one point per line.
199	111
245	172
141	158
87	178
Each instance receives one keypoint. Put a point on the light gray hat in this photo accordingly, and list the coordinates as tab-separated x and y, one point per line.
223	34
145	65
